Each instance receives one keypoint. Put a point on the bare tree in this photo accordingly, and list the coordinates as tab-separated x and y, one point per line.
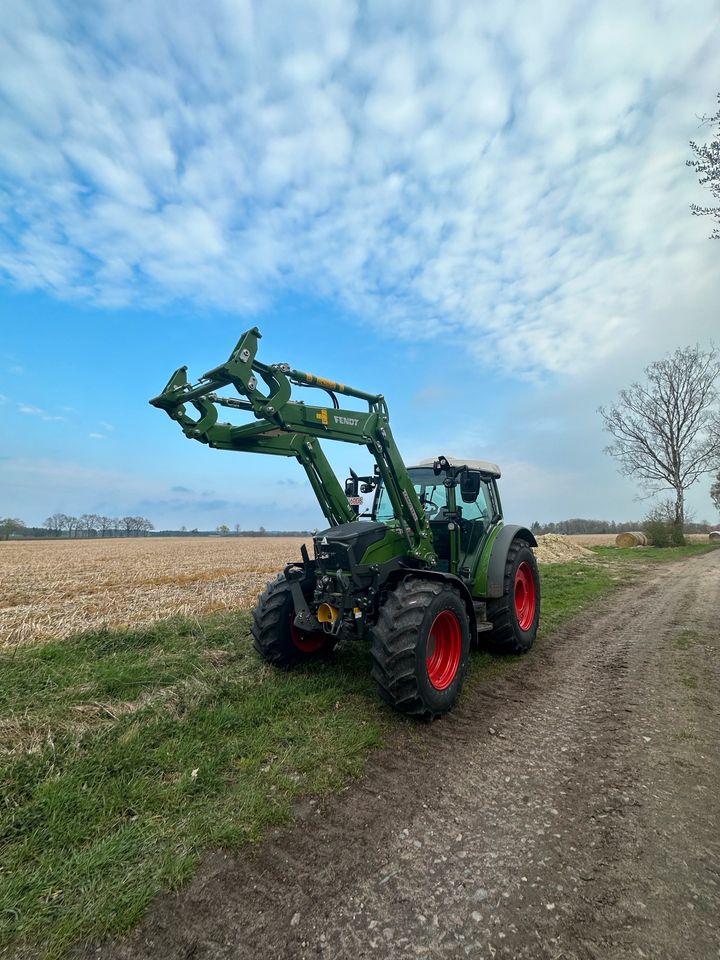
56	523
134	526
707	166
104	525
72	525
715	492
88	523
9	526
146	525
665	430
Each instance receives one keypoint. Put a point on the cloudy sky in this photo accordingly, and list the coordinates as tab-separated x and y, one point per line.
480	210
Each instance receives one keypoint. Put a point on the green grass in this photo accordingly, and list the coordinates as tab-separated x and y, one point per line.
125	754
134	751
644	555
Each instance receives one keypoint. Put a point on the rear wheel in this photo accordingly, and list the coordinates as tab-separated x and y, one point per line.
420	648
275	636
515	615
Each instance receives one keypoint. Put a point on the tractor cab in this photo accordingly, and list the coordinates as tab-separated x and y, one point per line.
461	496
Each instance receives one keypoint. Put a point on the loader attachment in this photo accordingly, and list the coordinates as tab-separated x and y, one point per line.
293	428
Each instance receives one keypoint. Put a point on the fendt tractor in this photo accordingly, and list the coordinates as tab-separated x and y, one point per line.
430	569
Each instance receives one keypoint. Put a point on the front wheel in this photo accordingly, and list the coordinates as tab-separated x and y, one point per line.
515	615
420	648
275	636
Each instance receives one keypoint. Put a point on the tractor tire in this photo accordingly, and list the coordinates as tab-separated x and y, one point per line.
420	648
275	636
515	615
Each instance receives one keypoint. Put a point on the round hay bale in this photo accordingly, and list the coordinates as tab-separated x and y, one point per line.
714	535
628	539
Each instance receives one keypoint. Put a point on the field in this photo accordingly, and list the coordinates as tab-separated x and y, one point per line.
55	589
125	754
59	588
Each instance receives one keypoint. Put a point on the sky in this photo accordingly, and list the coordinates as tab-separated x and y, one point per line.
481	211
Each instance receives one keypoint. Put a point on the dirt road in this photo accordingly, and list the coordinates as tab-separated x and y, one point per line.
569	809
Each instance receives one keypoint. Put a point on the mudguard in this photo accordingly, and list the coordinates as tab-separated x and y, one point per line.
498	556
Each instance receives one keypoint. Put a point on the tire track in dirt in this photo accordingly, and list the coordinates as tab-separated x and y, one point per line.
568	809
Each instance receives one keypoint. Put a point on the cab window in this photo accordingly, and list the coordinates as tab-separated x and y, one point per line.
431	492
480	509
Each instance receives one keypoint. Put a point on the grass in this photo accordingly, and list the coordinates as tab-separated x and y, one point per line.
125	754
652	555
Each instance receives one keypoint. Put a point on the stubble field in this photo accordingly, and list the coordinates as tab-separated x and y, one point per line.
59	588
51	589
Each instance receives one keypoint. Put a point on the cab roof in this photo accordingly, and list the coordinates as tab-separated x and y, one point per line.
484	466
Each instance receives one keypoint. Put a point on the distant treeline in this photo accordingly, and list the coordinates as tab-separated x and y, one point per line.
579	525
93	526
89	525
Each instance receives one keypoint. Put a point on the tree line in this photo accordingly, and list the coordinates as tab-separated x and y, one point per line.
91	525
578	525
87	525
96	525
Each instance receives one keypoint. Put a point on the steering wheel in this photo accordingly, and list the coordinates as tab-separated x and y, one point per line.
430	507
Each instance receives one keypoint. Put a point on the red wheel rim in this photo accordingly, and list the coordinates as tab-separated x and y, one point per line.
305	642
525	596
444	649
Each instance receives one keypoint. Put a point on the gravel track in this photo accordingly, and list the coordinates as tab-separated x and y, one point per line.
568	809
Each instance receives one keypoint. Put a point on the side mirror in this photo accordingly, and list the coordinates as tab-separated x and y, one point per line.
469	486
351	484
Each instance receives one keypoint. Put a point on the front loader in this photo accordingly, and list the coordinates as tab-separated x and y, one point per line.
430	569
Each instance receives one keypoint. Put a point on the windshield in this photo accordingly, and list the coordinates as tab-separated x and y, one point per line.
430	490
432	494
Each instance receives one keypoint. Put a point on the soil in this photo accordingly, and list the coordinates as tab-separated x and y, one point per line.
567	809
554	548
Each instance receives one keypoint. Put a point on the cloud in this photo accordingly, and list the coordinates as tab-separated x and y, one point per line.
106	426
97	436
31	411
35	487
180	489
509	177
38	486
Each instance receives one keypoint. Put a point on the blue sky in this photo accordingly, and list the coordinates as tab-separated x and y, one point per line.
481	210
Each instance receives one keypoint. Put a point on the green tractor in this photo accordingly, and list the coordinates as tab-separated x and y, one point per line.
428	570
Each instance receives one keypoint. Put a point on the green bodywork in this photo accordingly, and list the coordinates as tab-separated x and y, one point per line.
480	578
290	428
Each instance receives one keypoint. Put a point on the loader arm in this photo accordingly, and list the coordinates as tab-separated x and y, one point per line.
292	428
